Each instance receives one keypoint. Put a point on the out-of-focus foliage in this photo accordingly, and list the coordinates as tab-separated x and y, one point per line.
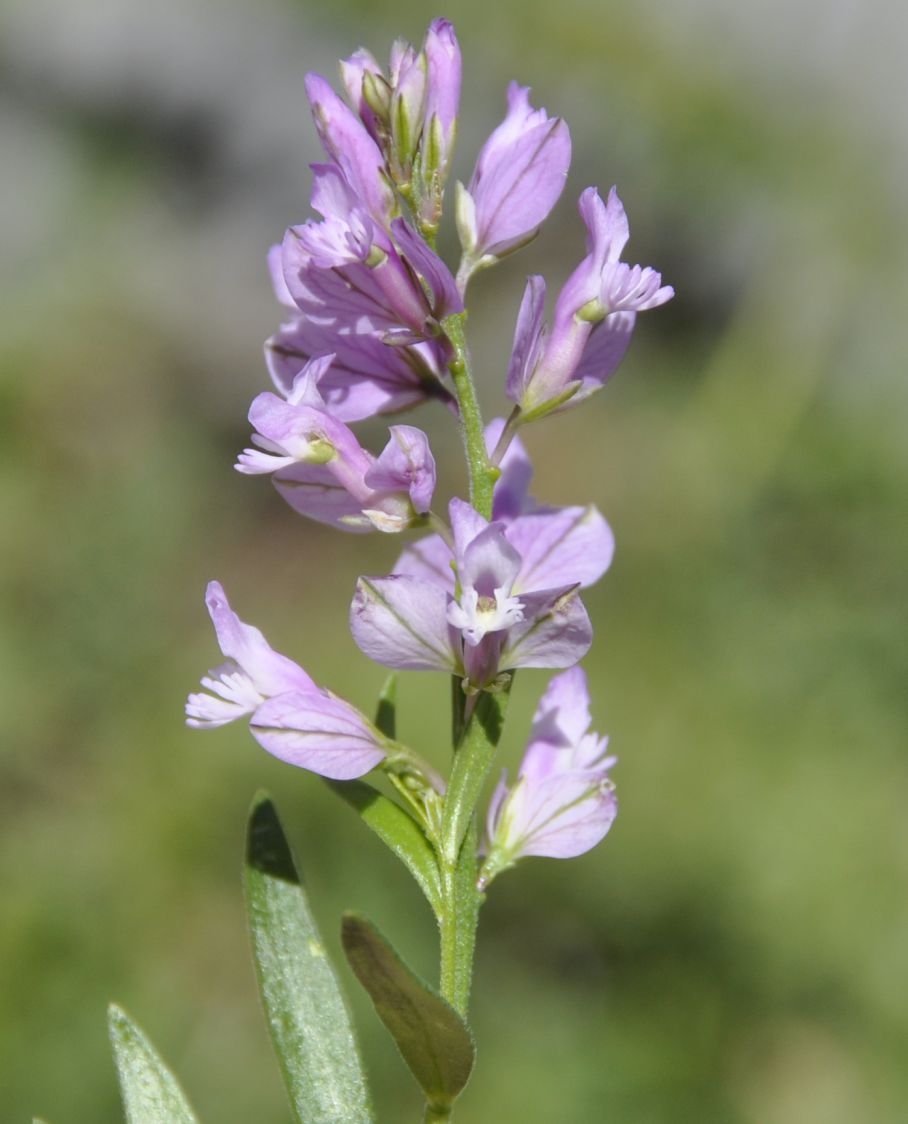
737	949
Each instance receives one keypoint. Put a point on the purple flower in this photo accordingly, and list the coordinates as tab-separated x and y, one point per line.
347	272
593	318
563	802
323	472
505	610
290	716
557	546
519	176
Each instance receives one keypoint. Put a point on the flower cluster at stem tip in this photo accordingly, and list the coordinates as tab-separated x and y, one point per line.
373	326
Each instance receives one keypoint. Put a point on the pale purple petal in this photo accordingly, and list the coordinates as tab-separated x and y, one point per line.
400	621
564	817
511	497
562	715
519	175
529	336
347	141
315	730
445	296
314	491
604	350
429	559
405	465
443	92
270	672
466	524
367	377
561	546
489	562
555	632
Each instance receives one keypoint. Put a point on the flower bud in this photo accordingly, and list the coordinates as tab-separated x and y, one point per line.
519	175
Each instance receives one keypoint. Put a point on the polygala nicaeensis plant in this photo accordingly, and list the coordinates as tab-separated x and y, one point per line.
375	324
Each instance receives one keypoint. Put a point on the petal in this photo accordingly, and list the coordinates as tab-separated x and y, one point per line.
445	296
314	491
400	622
513	485
603	352
566	815
466	524
405	465
318	731
561	546
429	559
269	672
528	338
489	563
555	631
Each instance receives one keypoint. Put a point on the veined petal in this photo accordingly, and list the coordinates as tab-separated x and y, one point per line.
315	730
561	546
401	622
561	818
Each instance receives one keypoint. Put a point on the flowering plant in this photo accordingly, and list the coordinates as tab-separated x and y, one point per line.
376	324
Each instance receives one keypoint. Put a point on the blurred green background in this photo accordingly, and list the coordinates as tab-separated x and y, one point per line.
737	951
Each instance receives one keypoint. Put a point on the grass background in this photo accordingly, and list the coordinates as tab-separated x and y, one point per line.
737	950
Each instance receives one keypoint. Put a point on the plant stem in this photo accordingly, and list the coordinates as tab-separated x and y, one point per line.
483	473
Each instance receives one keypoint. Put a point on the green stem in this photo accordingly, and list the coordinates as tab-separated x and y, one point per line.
483	473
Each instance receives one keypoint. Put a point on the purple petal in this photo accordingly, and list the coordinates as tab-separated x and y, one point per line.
529	336
603	352
561	546
347	141
430	559
270	672
400	621
565	816
445	297
444	70
511	496
489	562
314	491
367	377
320	732
405	465
466	524
555	631
519	175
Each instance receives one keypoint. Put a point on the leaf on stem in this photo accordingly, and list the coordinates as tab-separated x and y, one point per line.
433	1039
151	1094
305	1011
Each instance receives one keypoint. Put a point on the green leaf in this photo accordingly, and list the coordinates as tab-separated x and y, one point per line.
150	1092
397	830
386	711
309	1024
433	1039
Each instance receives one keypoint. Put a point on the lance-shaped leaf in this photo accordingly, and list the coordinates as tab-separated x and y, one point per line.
433	1039
151	1094
398	831
309	1024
